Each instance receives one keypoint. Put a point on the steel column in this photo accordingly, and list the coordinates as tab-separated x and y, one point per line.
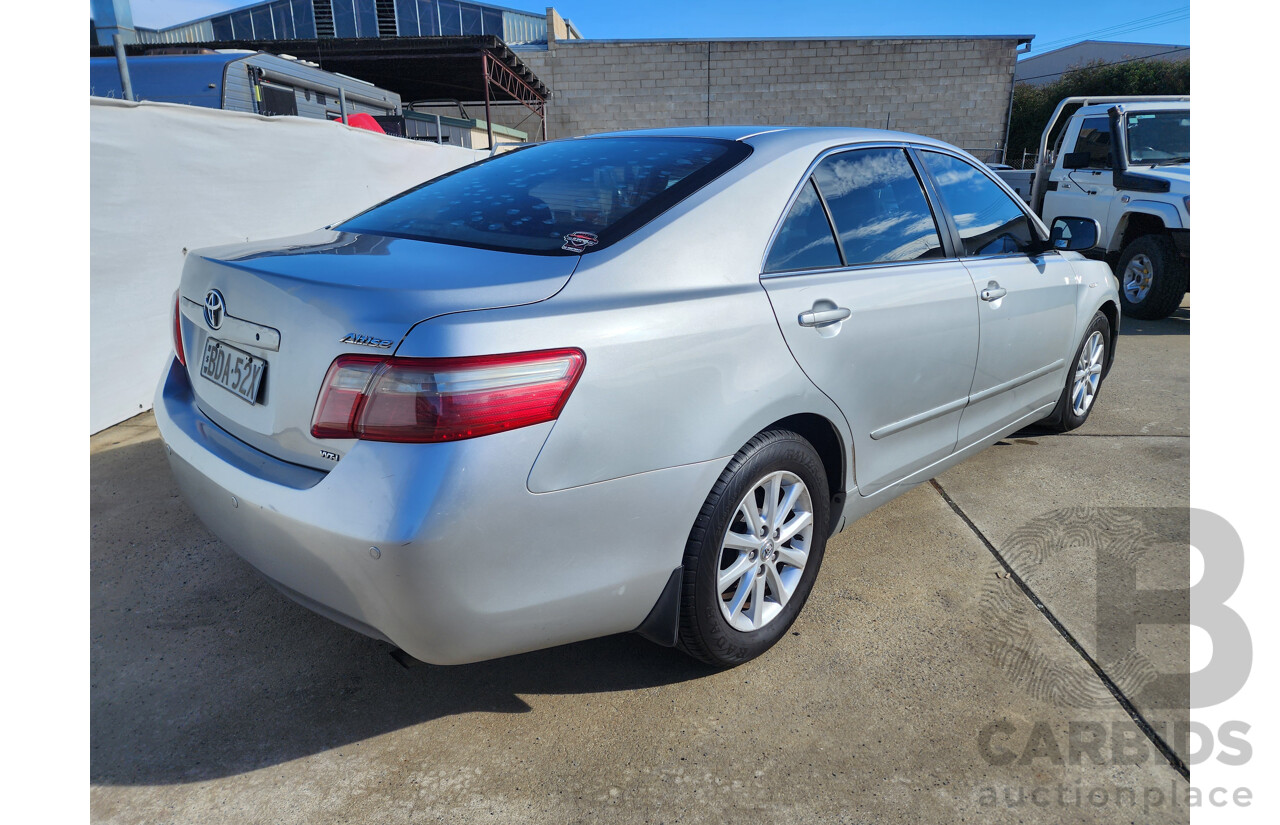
122	64
488	115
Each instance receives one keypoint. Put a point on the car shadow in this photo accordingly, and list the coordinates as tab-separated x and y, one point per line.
198	669
1179	323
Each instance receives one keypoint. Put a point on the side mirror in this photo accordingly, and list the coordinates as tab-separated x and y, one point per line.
1074	234
1076	160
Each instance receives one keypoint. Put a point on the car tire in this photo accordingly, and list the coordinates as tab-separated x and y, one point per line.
729	625
1085	374
1152	276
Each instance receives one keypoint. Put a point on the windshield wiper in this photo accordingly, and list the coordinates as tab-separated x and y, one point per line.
1171	161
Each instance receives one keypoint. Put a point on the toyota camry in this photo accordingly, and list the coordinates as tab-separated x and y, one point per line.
627	382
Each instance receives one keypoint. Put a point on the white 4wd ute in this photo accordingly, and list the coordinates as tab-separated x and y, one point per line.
1126	163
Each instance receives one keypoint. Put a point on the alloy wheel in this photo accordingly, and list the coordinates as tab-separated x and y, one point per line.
1084	388
764	551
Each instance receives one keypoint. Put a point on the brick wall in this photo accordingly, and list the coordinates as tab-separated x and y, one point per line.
953	89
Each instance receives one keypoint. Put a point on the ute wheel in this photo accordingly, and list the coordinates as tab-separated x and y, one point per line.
754	550
1153	278
1084	377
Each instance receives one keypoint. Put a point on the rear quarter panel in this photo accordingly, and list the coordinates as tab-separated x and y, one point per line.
685	361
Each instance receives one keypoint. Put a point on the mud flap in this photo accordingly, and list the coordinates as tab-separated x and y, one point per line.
662	625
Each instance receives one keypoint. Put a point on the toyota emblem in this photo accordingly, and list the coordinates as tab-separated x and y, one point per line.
214	309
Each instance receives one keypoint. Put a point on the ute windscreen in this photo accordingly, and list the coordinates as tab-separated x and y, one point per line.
562	198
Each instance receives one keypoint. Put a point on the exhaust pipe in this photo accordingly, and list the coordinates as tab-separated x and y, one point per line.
404	659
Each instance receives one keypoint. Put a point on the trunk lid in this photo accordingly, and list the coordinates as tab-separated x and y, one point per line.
298	303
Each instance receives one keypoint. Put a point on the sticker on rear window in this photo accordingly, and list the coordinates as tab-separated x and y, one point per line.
579	241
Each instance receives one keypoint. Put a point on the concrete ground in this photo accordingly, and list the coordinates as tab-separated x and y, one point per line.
971	653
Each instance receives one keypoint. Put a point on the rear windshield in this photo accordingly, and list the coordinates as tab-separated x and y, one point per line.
563	198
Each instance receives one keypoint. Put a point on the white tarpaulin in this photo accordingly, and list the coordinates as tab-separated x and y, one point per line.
164	178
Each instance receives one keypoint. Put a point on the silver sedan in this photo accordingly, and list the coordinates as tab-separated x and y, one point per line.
628	382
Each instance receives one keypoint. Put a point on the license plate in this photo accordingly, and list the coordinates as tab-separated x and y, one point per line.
233	369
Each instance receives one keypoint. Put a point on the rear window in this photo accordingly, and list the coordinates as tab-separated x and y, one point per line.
562	198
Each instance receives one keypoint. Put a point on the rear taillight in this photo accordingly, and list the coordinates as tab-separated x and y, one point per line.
177	329
443	399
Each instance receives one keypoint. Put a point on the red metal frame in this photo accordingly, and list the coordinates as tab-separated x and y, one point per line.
499	76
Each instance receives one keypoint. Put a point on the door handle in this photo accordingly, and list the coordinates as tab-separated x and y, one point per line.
822	317
993	292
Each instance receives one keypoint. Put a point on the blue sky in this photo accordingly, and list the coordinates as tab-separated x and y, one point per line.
1162	21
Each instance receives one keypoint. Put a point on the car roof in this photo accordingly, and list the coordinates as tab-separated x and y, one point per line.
721	132
788	137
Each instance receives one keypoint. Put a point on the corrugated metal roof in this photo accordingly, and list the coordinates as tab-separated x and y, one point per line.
416	68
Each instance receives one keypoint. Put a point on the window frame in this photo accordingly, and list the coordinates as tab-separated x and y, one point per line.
911	162
1128	154
282	90
957	242
831	227
945	230
1106	167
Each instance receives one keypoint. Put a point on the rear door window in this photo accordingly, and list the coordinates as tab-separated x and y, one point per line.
878	207
560	198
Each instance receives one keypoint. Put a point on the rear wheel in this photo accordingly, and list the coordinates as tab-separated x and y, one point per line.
1084	378
1153	278
754	550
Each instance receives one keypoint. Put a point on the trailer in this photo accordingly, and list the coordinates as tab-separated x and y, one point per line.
240	81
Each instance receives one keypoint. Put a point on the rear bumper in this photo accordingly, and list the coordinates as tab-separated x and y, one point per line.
469	564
